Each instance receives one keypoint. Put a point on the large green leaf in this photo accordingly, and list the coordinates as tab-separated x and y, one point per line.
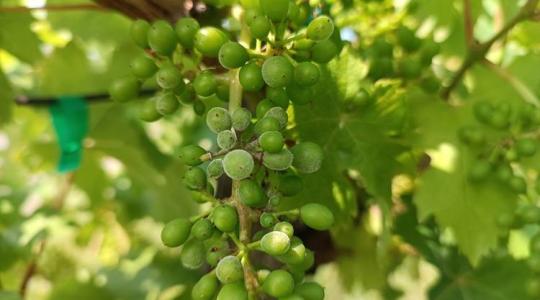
17	38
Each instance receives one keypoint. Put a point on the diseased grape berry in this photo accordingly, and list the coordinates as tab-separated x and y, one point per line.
175	232
143	67
225	218
250	77
226	139
279	114
275	243
139	33
166	104
162	38
202	229
195	178
205	84
278	161
277	71
193	254
241	119
320	28
186	29
251	193
278	283
205	288
238	164
124	89
215	168
169	77
208	41
191	155
308	157
317	216
236	291
232	55
229	270
271	141
218	119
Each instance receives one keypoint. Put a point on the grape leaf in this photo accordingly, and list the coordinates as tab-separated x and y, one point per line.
14	32
6	99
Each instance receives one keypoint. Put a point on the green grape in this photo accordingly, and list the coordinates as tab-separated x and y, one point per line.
275	243
275	10
166	104
430	84
511	155
162	38
148	111
236	291
205	288
208	41
278	96
504	173
309	261
296	253
169	77
535	244
310	291
308	157
479	170
232	55
292	297
226	139
381	68
482	111
262	107
193	254
499	120
222	92
303	44
218	119
275	200
186	29
294	10
320	28
534	263
285	227
260	27
202	229
410	68
361	98
266	124
279	283
241	119
277	71
187	96
279	114
271	141
290	185
267	220
518	184
278	161
124	89
238	164
428	51
251	193
205	84
526	147
191	155
195	178
250	77
199	108
471	135
299	95
251	14
324	51
139	33
229	270
225	218
175	232
317	216
216	251
306	74
300	18
407	39
215	168
262	274
143	67
382	48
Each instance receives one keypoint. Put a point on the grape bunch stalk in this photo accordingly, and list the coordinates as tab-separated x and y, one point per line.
245	241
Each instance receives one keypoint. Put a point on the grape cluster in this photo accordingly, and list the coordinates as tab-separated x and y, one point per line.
278	60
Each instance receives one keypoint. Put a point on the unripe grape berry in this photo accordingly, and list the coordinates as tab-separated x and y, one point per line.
499	120
292	297
267	220
407	39
186	29
296	253
290	185
279	114
236	291
202	229
175	232
215	168
504	173
208	40
195	178
148	111
216	251
260	27
526	147
169	77
382	48
301	17
285	227
299	95
262	274
320	28
308	157
193	254
279	283
275	10
271	141
511	155
275	243
482	111
277	71
275	200
199	108
124	89
166	104
278	96
139	33
143	67
241	119
430	84
225	218
360	99
266	124
205	84
410	68
191	155
381	68
471	135
187	96
162	38
310	291
251	193
294	10
317	216
262	108
238	164
479	170
229	270
250	77
226	139
205	288
218	119
324	51
306	74
428	51
518	184
278	161
222	92
232	55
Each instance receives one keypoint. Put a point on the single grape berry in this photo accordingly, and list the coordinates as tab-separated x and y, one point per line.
260	27
517	184
216	251
275	200
225	218
428	51
279	283
143	67
139	33
218	119
407	39
266	124
290	185
317	216
320	28
232	55
479	170
381	68
275	243
262	107
430	84
504	173
296	254
208	40
306	74
169	77
148	111
175	232
360	99
236	291
124	89
251	193
187	96
162	38
226	139
275	10
193	254
186	29
229	270
277	71
308	157
250	77
279	114
278	96
241	119
410	68
238	164
215	168
285	227
195	178
267	220
382	48
205	288
526	147
191	155
471	135
202	229
205	84
271	141
199	108
324	51
166	104
310	291
279	161
222	92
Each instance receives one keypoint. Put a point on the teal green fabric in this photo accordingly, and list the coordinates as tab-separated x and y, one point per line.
70	119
